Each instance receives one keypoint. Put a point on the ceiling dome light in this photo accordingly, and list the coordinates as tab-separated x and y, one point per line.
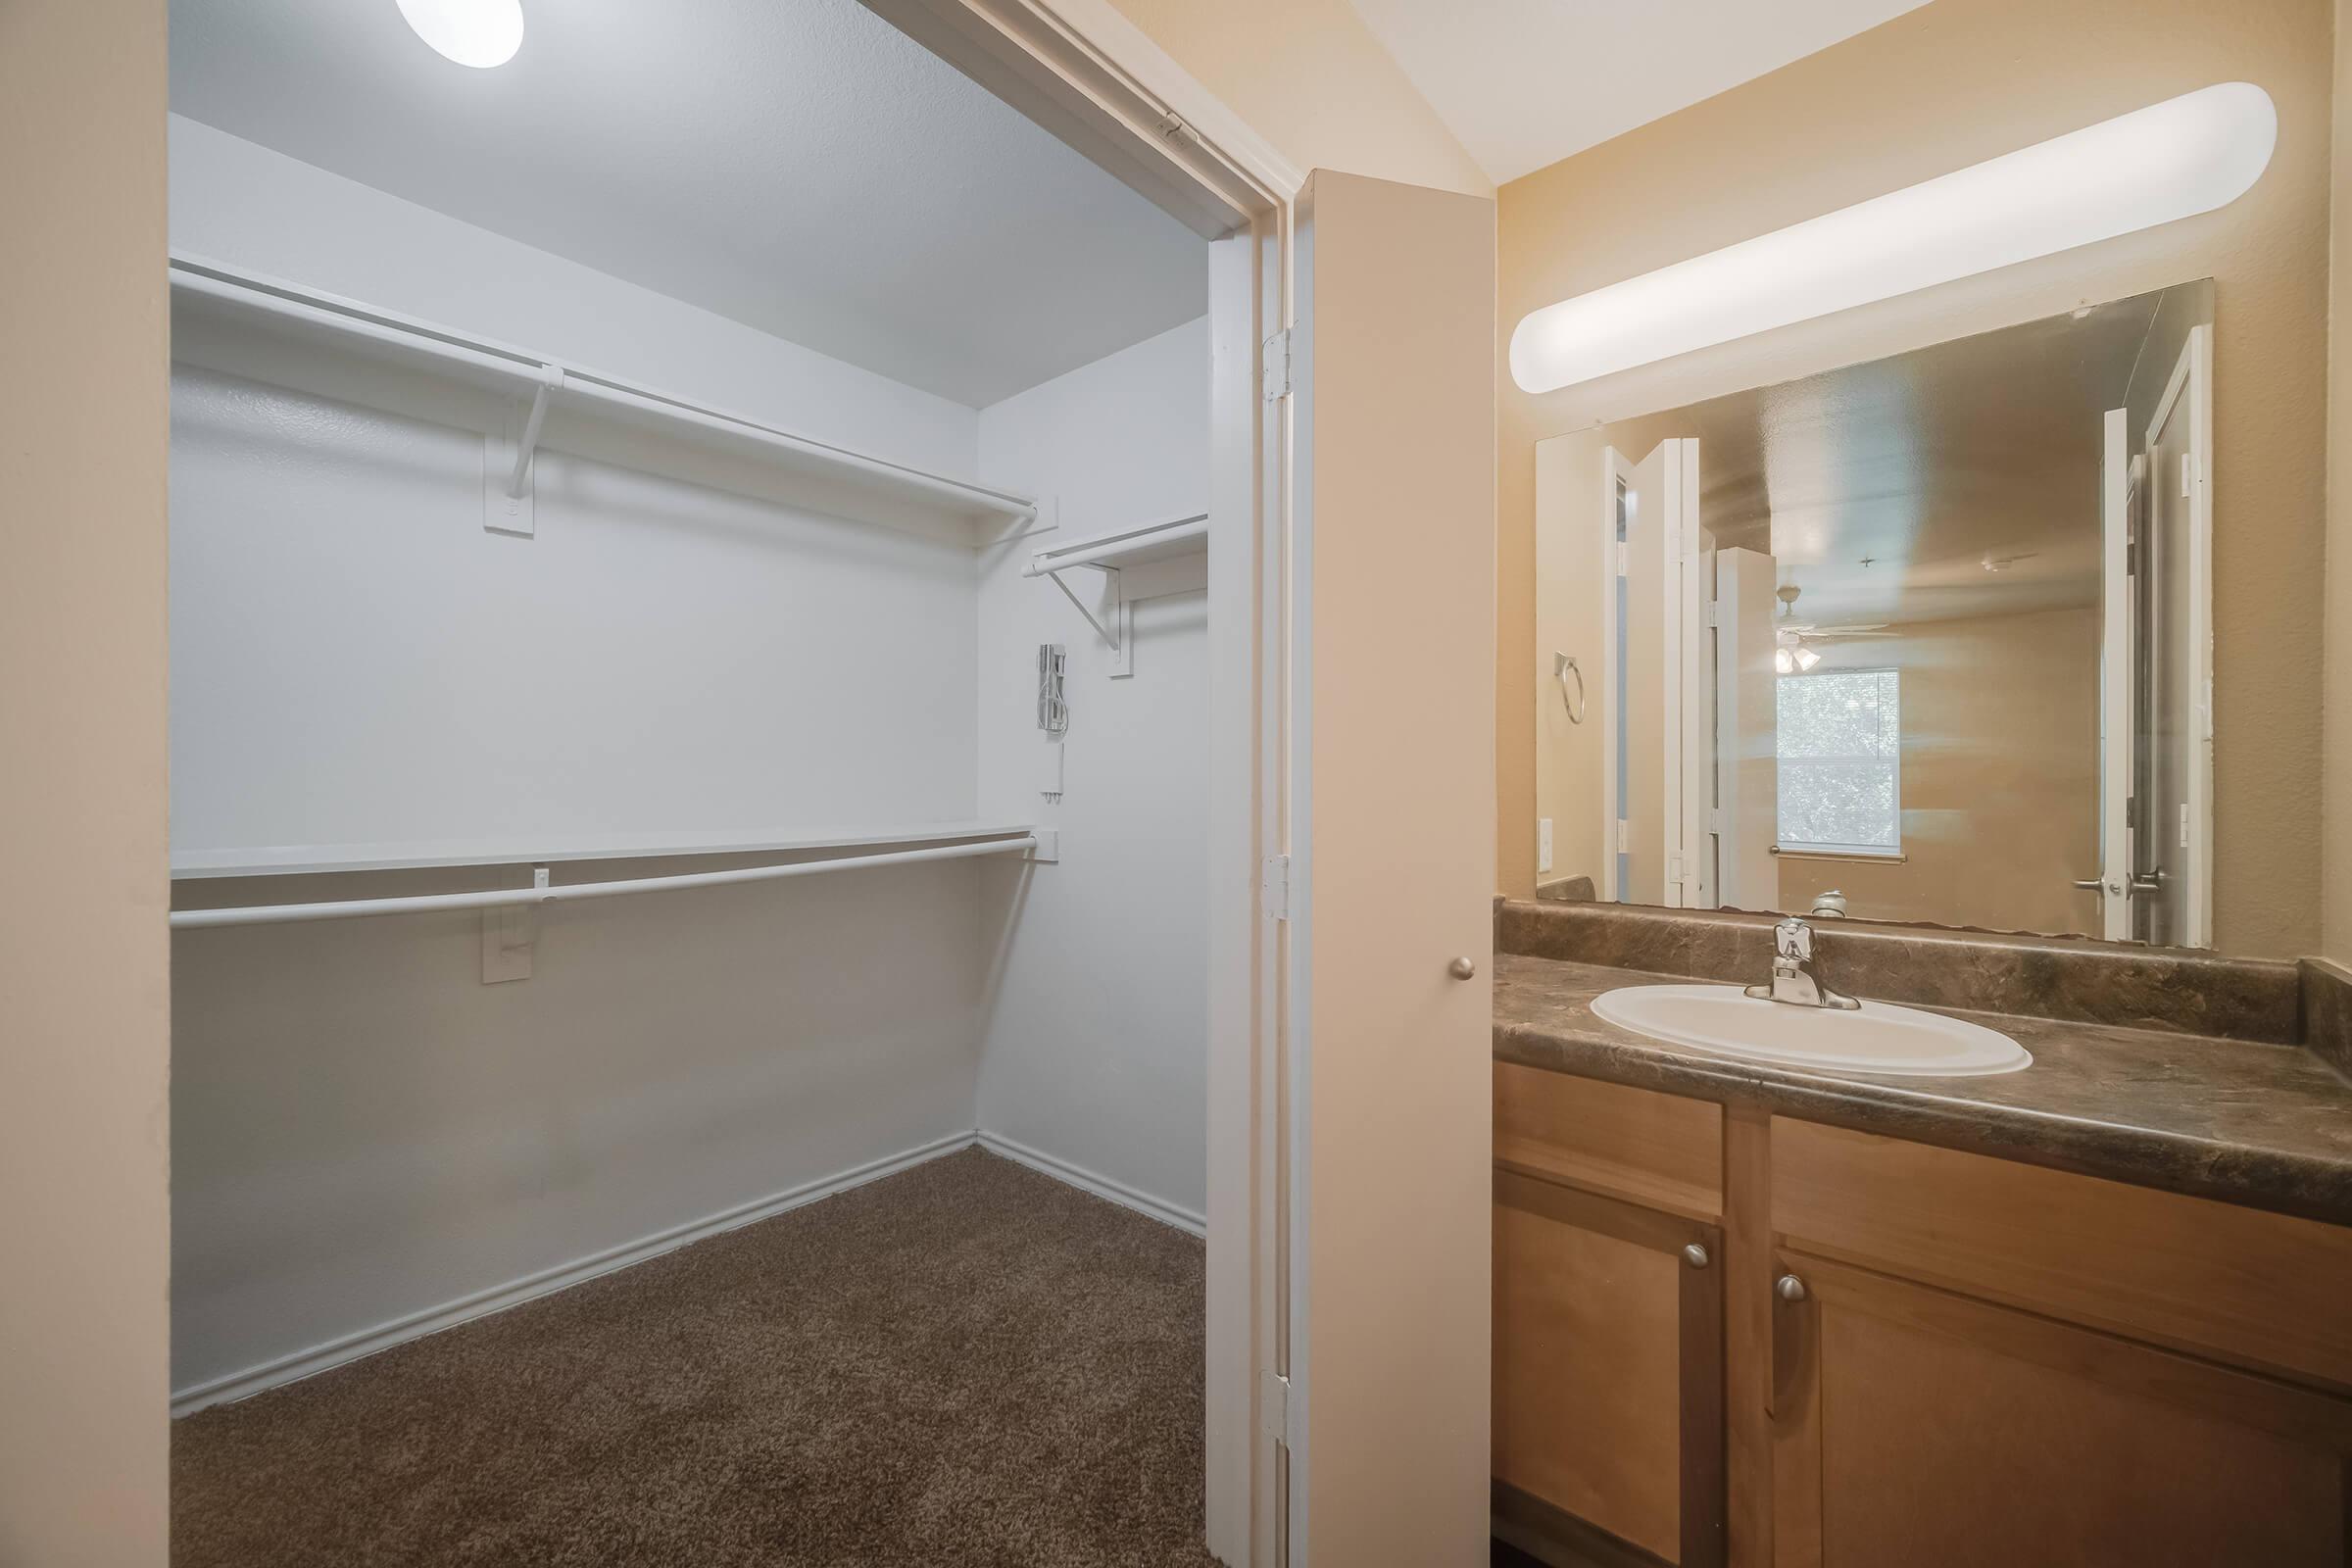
2175	159
473	32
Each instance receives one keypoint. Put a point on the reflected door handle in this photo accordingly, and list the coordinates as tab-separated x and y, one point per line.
2094	884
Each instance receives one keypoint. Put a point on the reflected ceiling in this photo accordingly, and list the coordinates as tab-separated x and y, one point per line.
1955	480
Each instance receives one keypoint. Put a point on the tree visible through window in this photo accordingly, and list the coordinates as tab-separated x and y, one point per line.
1840	755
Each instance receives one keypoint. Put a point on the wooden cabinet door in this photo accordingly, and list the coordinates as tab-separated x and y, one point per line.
1915	1426
1608	1439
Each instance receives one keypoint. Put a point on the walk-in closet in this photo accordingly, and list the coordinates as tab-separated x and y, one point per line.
691	659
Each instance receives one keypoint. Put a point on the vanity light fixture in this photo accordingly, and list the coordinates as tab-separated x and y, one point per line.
481	33
2175	159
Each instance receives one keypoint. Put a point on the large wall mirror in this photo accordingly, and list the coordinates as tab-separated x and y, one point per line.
1924	639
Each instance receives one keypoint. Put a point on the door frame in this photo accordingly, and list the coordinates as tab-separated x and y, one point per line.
1085	72
2192	379
1615	470
1685	685
2116	636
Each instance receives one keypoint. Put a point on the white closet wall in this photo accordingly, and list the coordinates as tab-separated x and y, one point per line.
1096	1052
365	1137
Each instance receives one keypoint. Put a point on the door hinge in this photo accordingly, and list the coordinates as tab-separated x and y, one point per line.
1274	886
1625	837
1274	366
1274	1409
1715	612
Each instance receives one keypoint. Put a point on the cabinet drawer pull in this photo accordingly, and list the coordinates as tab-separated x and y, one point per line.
1788	1288
1696	1255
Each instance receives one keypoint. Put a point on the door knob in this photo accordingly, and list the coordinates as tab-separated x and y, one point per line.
1788	1288
1461	969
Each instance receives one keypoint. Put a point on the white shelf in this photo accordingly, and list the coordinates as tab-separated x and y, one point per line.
1140	546
199	285
319	859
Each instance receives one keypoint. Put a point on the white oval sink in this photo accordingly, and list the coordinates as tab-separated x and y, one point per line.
1880	1038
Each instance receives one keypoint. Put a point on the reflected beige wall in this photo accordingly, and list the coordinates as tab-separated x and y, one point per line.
2000	722
1940	87
84	1217
1310	77
1570	618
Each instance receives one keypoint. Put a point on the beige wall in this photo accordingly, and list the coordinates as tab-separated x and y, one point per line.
1309	76
2000	724
82	951
1931	91
2337	872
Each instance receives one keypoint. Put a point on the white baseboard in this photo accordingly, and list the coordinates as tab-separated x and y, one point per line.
1184	1219
368	1341
482	1304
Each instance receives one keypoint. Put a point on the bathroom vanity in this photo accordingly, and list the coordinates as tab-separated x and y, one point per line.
2097	1310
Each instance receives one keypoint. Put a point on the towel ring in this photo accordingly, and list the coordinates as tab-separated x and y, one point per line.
1564	667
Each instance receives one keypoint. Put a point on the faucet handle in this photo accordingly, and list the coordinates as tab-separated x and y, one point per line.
1794	939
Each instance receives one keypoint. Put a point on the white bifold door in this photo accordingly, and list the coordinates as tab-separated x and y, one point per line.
1657	765
2155	881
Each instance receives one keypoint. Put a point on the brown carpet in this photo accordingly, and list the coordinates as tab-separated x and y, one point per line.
967	1363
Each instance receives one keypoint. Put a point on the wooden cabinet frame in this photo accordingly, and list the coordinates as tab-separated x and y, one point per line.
1701	1488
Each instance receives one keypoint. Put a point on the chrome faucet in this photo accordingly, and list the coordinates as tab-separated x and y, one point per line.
1793	978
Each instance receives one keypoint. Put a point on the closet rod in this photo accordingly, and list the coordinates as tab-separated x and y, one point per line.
529	373
496	898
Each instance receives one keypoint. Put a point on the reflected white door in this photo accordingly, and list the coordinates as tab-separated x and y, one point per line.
1657	786
1747	875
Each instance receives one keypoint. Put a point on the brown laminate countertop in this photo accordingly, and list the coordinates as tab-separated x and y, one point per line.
2269	1126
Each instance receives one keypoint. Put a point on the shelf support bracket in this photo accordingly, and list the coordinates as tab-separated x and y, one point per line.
513	510
551	383
1119	635
511	936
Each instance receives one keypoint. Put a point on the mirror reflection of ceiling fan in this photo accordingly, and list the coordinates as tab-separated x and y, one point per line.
1790	655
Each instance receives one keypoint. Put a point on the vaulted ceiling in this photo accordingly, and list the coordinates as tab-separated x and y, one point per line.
1523	84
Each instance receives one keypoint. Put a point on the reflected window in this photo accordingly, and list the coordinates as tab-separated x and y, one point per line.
1840	742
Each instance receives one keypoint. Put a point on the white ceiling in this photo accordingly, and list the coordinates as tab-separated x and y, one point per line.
1883	490
797	166
1523	84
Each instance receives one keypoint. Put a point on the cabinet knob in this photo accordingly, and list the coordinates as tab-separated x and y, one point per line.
1788	1288
1696	1255
1461	969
